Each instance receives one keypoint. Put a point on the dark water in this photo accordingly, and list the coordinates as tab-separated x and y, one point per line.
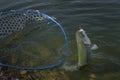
101	20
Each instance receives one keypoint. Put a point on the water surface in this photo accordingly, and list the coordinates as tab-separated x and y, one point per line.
101	20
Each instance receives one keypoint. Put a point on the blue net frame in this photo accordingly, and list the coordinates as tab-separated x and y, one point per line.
64	55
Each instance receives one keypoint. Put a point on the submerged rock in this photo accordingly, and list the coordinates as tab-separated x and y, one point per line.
52	74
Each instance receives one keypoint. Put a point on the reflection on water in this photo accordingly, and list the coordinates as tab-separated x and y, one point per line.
101	20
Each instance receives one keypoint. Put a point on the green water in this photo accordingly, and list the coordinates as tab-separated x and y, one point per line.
101	20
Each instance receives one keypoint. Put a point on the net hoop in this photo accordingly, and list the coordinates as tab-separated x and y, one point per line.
60	62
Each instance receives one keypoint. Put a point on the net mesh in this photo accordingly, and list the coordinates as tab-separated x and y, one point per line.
30	39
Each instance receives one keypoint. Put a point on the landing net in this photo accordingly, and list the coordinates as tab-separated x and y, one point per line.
30	39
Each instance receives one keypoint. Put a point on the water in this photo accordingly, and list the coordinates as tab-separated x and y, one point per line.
101	20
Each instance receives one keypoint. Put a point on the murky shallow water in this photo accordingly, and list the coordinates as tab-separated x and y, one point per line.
101	20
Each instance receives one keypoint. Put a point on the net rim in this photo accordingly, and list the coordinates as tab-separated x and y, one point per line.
60	62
